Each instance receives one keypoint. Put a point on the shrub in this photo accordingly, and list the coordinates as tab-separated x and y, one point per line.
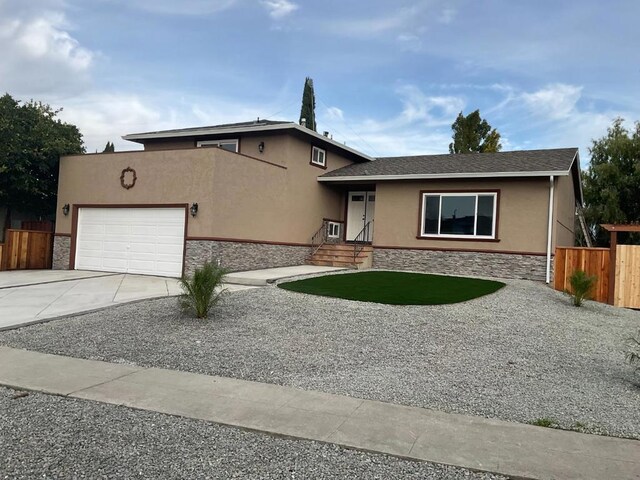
581	286
633	351
544	422
200	290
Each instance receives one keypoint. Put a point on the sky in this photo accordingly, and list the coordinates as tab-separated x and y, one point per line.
390	77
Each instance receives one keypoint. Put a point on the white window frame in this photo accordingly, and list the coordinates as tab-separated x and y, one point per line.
331	227
475	222
218	143
322	163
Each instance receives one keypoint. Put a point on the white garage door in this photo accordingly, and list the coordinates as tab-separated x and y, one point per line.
131	240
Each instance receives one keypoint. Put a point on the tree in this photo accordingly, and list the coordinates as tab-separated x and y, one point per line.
611	184
109	148
472	134
32	140
308	110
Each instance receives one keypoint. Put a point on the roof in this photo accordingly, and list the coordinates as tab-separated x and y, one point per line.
470	165
523	163
255	126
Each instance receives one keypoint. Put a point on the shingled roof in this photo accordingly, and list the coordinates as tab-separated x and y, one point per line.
524	163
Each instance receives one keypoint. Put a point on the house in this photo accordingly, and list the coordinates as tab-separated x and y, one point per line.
258	194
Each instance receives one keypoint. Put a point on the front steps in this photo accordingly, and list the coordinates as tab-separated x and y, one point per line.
341	255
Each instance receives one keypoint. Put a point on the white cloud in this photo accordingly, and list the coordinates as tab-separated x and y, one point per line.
334	113
279	9
555	101
182	7
39	53
447	15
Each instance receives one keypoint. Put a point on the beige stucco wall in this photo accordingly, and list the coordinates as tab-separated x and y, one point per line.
522	214
238	197
565	207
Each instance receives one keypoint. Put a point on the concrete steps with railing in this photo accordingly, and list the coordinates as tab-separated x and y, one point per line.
341	255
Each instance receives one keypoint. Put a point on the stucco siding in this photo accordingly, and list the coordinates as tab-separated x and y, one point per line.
238	197
521	216
565	207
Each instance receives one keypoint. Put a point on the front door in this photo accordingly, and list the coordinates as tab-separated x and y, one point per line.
360	211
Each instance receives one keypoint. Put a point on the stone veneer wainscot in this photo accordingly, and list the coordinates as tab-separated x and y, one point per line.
481	264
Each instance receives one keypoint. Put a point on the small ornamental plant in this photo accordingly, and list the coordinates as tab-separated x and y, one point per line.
633	351
581	286
202	291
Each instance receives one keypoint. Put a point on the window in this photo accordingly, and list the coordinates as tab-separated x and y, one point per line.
230	145
459	215
333	230
318	157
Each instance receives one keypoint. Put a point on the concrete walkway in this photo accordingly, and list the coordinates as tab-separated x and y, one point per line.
260	278
478	443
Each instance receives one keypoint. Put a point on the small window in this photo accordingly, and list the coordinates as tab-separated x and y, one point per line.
229	145
333	230
464	215
357	198
318	156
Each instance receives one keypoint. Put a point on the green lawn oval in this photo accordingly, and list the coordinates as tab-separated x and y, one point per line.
396	288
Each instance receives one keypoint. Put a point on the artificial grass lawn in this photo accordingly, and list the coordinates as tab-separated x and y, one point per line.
396	288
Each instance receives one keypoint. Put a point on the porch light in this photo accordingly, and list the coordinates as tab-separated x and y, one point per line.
194	209
261	147
65	209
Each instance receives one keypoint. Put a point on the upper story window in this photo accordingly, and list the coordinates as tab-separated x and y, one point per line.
230	145
459	215
318	157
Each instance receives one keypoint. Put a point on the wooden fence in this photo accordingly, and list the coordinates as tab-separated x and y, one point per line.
627	277
593	261
27	249
1	256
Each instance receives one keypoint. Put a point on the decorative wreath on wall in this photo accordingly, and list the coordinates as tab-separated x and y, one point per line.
128	178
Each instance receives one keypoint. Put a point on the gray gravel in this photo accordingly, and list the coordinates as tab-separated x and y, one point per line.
520	354
44	436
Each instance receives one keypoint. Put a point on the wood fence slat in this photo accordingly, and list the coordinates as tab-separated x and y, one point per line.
627	287
27	249
593	261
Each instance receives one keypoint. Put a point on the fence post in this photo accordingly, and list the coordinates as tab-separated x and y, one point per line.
612	267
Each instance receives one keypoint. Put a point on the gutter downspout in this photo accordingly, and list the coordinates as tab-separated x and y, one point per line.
550	228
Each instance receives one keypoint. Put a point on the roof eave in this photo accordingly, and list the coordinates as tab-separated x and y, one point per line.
442	176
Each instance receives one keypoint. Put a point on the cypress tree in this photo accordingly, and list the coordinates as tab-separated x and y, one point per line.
308	110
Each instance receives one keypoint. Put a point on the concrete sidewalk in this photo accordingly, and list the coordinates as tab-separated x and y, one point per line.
472	442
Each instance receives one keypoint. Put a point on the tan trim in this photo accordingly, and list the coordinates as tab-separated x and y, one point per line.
475	239
74	224
445	249
62	235
332	220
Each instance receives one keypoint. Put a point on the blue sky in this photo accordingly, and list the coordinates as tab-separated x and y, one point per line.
390	77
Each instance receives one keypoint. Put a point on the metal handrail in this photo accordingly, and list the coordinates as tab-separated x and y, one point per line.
361	240
319	238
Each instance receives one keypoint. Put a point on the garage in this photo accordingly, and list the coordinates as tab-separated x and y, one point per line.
148	241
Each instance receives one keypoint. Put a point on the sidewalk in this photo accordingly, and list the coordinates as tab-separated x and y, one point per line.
473	442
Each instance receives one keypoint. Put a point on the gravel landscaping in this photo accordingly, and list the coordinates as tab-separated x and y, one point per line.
45	436
520	354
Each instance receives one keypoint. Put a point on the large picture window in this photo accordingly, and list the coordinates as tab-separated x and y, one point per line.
459	215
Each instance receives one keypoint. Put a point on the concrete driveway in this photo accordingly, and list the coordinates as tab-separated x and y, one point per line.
32	296
36	295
